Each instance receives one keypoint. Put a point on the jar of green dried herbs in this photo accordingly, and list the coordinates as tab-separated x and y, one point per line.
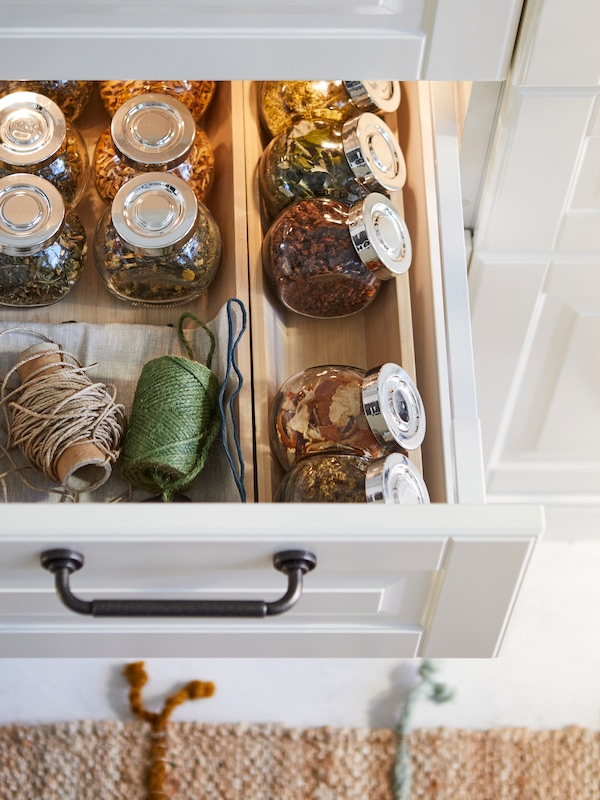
345	409
156	244
196	95
282	103
43	246
325	258
70	96
149	133
35	137
345	478
321	158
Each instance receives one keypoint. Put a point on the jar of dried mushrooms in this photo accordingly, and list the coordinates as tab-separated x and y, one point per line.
150	133
70	96
282	103
325	258
196	95
344	409
42	245
156	244
35	137
324	158
344	478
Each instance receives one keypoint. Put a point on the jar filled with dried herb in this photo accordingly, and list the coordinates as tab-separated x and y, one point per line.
35	137
151	133
345	478
42	245
322	158
325	258
196	95
70	96
156	244
345	409
282	103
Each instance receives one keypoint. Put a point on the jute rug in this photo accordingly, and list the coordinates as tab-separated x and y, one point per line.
108	760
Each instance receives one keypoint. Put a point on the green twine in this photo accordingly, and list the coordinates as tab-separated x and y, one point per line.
435	691
174	420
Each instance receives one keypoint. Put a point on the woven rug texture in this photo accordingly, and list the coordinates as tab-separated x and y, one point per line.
107	761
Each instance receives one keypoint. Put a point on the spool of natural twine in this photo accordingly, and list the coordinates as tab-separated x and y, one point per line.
174	420
67	427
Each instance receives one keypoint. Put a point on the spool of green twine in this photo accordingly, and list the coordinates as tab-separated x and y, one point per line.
174	420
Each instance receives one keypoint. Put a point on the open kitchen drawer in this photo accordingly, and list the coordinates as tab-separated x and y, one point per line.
390	581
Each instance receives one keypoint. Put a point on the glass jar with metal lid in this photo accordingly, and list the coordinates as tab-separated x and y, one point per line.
43	246
325	258
150	133
321	158
345	478
70	96
282	103
156	244
337	408
35	137
196	95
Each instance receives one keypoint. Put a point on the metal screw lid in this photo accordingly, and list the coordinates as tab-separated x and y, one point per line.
153	130
373	153
380	236
395	480
155	213
32	129
384	95
393	406
32	213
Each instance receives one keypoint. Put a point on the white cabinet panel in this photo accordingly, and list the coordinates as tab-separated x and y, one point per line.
535	158
453	39
542	433
556	43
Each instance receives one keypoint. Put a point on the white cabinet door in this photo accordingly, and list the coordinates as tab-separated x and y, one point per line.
242	39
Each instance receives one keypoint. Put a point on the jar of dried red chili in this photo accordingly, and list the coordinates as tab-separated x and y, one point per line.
325	258
281	103
336	408
325	158
344	478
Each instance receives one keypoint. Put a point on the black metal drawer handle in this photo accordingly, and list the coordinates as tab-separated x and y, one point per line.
293	563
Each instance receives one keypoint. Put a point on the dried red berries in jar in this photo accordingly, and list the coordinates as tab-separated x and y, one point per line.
326	259
346	409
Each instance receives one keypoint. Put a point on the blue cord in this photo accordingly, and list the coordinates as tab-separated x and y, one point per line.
232	364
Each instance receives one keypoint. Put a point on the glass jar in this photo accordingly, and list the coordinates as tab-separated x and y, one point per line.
345	478
151	133
196	95
346	409
36	138
282	103
321	158
70	96
42	245
327	259
156	244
